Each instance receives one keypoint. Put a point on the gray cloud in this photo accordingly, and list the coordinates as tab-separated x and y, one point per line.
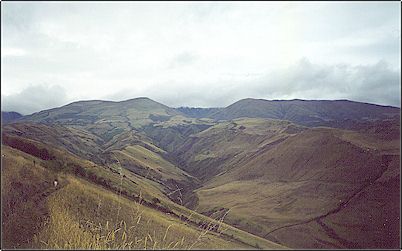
376	83
34	99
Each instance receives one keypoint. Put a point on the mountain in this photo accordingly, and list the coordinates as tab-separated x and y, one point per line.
7	117
256	174
130	113
307	112
139	112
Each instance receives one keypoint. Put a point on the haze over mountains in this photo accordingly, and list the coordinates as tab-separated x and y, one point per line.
281	173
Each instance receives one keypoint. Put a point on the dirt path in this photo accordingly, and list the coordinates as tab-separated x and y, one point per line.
41	210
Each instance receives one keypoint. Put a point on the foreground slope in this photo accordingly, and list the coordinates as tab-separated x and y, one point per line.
94	207
79	214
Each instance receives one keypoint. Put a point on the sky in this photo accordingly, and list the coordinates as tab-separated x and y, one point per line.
198	54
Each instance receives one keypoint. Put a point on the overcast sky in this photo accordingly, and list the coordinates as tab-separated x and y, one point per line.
198	54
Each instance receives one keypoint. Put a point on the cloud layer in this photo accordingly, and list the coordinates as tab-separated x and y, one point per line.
376	83
199	54
34	98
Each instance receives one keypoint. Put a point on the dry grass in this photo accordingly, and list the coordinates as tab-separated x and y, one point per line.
80	204
84	216
22	189
140	156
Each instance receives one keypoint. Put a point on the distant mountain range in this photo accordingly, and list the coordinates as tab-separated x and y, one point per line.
335	113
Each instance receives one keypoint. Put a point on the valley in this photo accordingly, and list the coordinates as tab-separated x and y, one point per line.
260	174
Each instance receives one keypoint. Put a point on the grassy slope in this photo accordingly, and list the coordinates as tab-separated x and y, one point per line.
56	234
83	144
140	156
77	141
45	217
217	149
293	183
23	189
82	213
371	219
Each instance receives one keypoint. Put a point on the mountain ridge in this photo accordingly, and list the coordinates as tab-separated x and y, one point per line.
308	112
298	99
